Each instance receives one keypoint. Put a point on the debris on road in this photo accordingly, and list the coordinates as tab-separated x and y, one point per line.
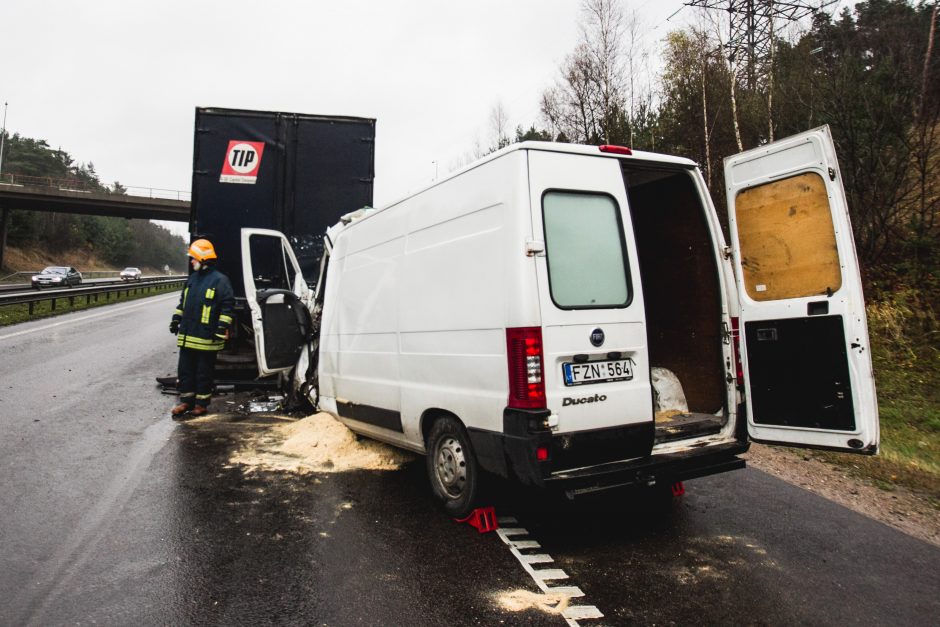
315	444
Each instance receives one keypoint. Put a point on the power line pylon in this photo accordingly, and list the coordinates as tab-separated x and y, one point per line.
753	25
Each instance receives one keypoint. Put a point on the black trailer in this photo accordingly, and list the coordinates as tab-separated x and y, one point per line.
292	172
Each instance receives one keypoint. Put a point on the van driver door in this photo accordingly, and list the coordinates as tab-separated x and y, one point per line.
278	298
804	339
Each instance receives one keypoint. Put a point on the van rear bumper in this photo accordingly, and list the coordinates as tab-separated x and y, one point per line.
513	454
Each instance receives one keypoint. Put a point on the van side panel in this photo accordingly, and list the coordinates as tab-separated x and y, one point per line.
463	270
359	364
418	297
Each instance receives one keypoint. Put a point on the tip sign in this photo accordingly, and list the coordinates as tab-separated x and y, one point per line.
242	160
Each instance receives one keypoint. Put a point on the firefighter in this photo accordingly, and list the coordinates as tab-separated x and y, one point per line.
201	322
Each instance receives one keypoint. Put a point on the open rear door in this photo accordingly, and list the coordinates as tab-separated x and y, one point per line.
278	297
804	337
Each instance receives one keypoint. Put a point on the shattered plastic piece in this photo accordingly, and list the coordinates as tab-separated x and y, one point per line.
678	488
255	407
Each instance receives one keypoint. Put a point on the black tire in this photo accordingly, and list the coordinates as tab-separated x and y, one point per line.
452	467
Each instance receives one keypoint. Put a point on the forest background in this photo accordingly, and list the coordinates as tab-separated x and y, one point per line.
868	72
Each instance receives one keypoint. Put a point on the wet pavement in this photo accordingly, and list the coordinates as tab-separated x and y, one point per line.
114	514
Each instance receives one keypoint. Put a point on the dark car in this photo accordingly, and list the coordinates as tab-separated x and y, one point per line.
57	276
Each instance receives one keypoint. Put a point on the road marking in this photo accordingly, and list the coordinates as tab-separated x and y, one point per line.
110	312
508	534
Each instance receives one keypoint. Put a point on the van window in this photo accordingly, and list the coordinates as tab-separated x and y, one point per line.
584	247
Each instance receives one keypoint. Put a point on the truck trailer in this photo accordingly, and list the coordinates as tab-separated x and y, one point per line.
293	172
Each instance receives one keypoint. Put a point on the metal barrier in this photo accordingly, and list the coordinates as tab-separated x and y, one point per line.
112	274
31	298
78	185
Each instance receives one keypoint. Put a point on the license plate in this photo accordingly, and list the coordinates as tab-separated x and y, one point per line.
597	371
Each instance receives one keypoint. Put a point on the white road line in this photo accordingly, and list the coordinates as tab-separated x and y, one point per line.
573	613
112	311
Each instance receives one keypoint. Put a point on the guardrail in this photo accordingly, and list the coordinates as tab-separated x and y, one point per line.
86	274
92	292
25	287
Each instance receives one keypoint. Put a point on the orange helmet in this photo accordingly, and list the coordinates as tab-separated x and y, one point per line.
201	250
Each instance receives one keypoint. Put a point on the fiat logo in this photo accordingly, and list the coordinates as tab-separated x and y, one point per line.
597	337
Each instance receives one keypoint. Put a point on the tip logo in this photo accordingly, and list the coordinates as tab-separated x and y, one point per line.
242	160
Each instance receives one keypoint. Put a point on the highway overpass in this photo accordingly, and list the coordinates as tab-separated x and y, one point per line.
59	199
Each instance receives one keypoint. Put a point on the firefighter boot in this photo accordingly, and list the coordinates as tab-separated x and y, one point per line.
199	410
180	409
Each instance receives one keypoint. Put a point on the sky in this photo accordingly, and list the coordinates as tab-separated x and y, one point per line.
116	82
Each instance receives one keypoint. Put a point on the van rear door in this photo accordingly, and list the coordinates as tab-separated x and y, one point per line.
804	339
277	296
593	323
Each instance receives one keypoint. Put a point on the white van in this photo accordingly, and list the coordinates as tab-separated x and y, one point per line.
569	316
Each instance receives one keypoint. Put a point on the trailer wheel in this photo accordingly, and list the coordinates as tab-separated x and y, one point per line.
452	467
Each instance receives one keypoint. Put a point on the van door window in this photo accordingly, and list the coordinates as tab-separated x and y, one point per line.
584	249
788	243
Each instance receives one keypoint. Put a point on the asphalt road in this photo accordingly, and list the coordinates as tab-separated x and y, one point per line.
114	514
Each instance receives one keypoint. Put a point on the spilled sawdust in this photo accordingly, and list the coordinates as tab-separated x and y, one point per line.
667	415
315	444
521	600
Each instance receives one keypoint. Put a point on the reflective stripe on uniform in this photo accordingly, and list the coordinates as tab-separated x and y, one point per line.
206	310
203	397
198	343
178	312
185	292
210	293
226	319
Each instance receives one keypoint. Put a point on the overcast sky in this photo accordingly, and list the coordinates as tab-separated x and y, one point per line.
116	82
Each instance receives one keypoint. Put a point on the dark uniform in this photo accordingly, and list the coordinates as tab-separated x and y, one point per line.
201	321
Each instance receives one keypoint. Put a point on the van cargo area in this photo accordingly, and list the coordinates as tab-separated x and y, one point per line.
679	274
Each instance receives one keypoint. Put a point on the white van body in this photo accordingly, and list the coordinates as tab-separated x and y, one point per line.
568	315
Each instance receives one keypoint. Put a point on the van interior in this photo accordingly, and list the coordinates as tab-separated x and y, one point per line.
679	273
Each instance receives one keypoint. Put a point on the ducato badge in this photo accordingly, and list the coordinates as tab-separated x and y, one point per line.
597	337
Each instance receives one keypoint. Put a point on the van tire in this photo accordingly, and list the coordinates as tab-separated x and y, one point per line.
452	467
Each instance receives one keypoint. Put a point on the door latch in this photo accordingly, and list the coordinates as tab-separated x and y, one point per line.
534	248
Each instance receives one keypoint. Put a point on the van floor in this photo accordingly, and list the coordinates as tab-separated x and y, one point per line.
674	425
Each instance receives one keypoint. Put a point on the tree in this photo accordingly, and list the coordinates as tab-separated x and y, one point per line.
587	102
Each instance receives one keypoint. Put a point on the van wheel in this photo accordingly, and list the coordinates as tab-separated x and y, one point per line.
452	467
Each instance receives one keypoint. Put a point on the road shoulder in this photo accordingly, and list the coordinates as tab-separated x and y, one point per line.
899	508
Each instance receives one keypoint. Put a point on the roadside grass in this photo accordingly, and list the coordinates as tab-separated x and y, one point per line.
12	314
906	360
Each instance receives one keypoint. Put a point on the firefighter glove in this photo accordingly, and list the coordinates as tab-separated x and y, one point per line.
174	326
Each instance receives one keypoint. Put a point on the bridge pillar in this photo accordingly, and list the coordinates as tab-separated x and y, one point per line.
4	221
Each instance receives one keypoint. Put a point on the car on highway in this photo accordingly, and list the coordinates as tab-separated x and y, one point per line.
130	274
57	276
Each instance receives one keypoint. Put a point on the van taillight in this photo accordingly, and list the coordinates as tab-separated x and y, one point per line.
736	345
616	150
524	353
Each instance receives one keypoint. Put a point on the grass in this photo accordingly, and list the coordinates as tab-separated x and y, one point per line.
906	360
12	314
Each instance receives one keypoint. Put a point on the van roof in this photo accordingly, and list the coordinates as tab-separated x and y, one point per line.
578	149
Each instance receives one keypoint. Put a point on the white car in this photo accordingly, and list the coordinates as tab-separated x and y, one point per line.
130	274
